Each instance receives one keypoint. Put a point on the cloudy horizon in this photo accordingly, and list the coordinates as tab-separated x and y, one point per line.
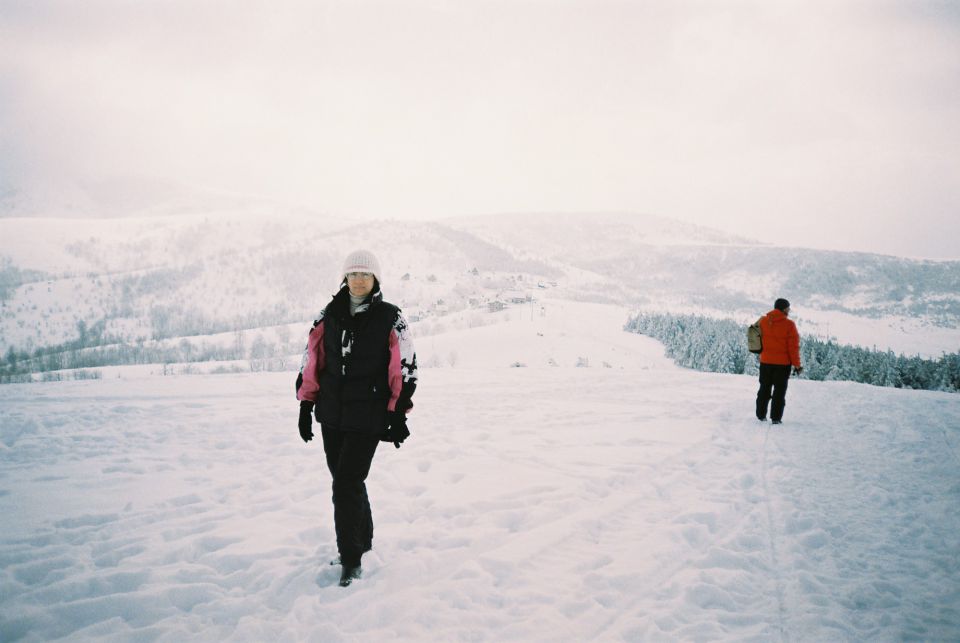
830	125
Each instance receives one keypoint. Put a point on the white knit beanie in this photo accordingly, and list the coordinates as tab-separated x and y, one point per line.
361	261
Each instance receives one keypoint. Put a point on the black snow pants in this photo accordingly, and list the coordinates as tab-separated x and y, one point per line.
348	457
773	376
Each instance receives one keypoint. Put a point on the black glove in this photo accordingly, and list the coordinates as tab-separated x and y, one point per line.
306	422
397	430
797	370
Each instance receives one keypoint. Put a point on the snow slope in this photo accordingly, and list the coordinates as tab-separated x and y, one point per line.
635	502
182	271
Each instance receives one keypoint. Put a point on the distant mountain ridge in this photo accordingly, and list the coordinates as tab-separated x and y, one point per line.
656	259
171	275
589	235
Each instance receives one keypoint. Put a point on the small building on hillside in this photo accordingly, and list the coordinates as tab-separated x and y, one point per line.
517	297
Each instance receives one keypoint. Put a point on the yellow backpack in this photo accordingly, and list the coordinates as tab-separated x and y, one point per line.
754	339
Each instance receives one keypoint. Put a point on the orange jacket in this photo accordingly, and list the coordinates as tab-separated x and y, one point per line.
781	342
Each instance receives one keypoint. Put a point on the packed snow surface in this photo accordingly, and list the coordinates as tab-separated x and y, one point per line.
636	502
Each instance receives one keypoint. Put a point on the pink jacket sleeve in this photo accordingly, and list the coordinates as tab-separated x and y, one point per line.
314	362
394	374
402	367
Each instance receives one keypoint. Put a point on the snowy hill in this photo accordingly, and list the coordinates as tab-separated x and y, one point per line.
597	235
180	274
658	264
636	502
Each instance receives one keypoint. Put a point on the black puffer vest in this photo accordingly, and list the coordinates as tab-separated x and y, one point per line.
354	390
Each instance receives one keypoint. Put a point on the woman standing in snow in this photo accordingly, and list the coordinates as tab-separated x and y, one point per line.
358	377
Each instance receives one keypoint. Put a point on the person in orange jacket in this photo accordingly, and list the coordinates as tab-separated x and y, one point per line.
781	350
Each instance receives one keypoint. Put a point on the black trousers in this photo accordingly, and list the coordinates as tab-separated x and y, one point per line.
348	457
772	376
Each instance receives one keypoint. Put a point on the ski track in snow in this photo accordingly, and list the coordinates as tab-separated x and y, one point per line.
529	504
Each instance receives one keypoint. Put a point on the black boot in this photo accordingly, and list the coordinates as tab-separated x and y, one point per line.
337	561
348	574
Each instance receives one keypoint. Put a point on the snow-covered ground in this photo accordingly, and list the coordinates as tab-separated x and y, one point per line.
636	502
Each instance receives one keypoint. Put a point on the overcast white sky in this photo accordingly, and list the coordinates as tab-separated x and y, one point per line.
829	124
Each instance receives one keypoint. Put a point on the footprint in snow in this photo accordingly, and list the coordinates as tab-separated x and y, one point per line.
815	540
798	525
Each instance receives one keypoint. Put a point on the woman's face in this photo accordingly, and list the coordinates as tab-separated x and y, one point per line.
360	283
